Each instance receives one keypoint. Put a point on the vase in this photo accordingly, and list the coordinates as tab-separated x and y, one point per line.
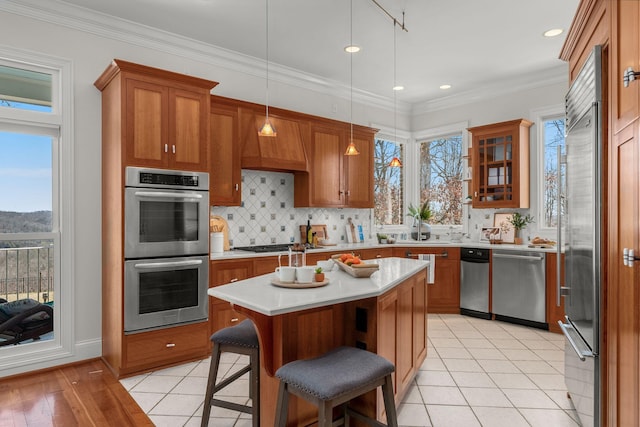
517	240
318	277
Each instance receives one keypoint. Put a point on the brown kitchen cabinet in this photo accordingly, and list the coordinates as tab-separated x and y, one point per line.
150	118
155	118
221	313
372	254
147	350
336	180
401	331
555	312
500	165
443	296
225	174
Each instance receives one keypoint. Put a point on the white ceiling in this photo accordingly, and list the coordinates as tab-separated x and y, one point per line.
465	43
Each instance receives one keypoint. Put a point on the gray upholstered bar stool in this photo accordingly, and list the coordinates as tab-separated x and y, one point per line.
240	339
334	379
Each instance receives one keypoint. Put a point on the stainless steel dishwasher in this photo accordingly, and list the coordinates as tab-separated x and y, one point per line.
474	282
518	287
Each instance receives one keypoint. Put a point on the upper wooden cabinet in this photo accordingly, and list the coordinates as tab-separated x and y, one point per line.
164	115
225	176
500	164
336	180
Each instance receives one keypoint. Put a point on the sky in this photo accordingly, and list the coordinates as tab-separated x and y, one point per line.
25	171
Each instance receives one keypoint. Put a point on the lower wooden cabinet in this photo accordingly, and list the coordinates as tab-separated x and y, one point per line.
443	296
149	350
554	312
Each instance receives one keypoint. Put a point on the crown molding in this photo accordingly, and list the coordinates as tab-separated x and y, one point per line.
550	76
108	26
64	14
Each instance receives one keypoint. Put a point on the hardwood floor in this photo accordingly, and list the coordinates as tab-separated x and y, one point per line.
84	394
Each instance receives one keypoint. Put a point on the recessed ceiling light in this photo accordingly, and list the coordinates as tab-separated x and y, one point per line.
352	49
553	32
443	87
398	87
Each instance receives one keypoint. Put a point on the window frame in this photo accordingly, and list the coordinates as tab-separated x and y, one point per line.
59	125
428	135
403	147
541	115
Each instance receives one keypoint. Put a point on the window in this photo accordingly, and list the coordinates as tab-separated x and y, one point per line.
552	137
388	183
35	164
441	173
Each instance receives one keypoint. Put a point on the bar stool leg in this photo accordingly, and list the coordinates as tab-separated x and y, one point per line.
389	403
254	378
282	407
325	414
213	373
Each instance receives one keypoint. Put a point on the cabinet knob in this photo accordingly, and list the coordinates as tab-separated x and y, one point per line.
170	345
341	192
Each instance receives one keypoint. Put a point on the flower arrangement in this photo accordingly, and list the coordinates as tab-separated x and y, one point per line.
519	222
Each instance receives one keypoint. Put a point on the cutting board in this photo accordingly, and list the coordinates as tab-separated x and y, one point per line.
319	229
221	224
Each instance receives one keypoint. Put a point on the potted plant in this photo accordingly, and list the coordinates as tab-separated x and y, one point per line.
382	238
319	276
420	215
519	222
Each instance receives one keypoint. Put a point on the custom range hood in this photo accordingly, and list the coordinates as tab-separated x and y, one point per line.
283	153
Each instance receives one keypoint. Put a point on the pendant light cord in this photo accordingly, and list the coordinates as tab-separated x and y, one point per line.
351	70
395	84
267	53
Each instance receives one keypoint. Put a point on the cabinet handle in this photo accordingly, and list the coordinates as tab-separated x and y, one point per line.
235	279
166	148
341	192
171	345
173	149
378	256
237	187
235	319
629	75
348	192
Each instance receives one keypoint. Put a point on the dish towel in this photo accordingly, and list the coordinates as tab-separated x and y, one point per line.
431	273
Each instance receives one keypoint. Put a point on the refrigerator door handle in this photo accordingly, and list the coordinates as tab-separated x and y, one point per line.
582	353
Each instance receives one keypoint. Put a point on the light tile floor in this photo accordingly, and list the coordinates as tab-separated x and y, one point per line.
477	373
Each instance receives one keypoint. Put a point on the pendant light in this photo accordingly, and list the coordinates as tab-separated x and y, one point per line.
267	128
395	162
351	148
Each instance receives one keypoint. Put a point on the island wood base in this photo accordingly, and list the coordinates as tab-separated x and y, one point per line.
393	325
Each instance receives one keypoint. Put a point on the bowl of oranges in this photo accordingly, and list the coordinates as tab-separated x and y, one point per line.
354	266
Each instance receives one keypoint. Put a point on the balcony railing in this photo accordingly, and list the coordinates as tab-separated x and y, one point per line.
27	273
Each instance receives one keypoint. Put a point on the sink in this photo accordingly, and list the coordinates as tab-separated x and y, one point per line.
423	243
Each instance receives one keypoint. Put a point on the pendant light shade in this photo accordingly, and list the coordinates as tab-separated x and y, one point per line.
395	163
267	128
351	149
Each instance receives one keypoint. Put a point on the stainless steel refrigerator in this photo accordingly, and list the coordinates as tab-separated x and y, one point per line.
582	246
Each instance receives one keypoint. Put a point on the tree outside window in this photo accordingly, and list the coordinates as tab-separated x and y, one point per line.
441	173
553	135
388	183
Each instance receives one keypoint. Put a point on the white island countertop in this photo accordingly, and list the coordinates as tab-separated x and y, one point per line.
259	295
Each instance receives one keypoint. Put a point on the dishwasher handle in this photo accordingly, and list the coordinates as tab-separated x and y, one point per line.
523	257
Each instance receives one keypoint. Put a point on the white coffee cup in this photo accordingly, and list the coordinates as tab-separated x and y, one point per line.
286	274
305	274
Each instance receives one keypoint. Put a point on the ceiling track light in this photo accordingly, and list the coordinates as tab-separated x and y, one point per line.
267	128
395	21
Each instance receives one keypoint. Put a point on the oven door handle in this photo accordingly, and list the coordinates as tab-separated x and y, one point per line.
165	194
168	264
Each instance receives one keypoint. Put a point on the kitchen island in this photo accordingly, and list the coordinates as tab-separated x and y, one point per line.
385	314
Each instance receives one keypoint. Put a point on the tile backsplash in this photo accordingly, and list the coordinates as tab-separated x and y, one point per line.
267	215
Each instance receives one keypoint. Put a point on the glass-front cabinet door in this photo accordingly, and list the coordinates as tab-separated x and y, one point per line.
500	164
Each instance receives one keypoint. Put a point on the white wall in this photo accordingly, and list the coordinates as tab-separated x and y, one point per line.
90	54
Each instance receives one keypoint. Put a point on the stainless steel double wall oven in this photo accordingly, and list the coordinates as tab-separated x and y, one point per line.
166	269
